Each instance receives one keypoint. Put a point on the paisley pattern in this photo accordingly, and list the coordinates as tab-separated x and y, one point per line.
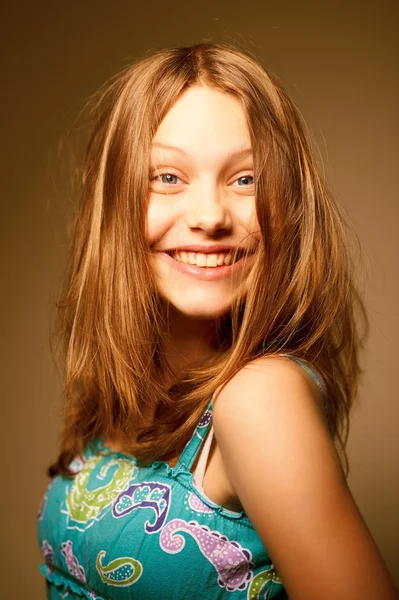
119	572
152	495
72	563
205	419
262	583
196	504
127	524
232	562
117	524
47	552
94	489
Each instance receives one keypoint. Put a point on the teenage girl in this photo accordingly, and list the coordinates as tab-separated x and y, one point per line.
211	352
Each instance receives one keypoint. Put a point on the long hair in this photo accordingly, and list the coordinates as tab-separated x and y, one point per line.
302	300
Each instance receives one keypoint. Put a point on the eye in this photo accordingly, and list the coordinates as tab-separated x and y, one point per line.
167	178
245	181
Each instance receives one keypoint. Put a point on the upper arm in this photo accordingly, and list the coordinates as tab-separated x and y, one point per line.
282	463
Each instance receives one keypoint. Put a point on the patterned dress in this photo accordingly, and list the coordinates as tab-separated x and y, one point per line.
119	530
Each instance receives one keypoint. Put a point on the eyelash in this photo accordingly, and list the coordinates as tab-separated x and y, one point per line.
173	175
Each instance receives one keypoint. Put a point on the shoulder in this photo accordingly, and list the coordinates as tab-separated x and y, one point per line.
281	462
278	455
269	418
269	387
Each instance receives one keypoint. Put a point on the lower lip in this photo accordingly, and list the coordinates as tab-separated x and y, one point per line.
206	273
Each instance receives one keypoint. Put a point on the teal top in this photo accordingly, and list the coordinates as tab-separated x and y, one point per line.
119	530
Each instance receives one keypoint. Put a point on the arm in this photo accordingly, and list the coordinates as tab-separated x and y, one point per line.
284	468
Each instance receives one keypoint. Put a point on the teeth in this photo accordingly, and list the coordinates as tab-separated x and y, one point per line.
212	260
200	259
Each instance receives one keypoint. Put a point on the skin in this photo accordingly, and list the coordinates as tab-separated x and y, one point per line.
204	202
292	487
273	454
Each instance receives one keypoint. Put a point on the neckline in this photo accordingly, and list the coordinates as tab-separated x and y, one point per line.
100	445
182	470
187	457
179	473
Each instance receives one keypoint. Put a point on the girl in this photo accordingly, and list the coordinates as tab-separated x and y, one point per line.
211	352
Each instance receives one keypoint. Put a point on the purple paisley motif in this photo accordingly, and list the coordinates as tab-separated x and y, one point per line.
145	495
75	569
205	419
195	503
232	562
48	552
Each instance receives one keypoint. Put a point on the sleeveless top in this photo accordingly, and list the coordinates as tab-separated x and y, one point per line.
118	530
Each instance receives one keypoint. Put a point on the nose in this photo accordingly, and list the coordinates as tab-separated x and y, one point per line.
208	210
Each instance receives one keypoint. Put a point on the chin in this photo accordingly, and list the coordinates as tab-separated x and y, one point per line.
197	310
200	313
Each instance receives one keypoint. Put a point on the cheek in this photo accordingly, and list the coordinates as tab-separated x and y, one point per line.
160	217
250	220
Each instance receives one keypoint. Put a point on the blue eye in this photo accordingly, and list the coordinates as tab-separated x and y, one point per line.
245	180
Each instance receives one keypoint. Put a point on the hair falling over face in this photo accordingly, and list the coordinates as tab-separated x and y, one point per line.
302	298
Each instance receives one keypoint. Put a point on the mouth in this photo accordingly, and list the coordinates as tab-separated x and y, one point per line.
208	272
208	260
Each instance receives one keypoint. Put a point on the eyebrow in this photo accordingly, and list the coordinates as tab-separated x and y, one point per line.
240	153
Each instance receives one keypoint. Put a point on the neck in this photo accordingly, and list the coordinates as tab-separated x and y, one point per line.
188	342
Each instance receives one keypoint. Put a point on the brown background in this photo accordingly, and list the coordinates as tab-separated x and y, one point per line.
336	59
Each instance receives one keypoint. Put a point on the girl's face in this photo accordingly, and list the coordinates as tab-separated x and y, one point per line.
201	193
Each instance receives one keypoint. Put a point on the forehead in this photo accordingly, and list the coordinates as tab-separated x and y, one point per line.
204	122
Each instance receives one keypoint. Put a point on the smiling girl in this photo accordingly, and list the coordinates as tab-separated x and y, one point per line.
211	352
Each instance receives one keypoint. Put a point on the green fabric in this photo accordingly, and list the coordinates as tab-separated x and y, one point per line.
119	530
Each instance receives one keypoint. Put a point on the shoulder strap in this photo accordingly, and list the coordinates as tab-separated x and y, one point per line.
200	469
316	377
193	445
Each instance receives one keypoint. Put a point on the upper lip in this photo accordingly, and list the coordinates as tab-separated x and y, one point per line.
213	248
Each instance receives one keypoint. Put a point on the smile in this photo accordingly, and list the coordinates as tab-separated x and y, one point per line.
206	273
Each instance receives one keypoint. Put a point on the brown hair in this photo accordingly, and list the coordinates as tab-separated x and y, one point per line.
302	299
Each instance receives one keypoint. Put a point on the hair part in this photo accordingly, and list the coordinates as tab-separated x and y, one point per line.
302	298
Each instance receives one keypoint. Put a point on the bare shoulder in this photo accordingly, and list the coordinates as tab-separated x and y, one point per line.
266	384
282	464
269	418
